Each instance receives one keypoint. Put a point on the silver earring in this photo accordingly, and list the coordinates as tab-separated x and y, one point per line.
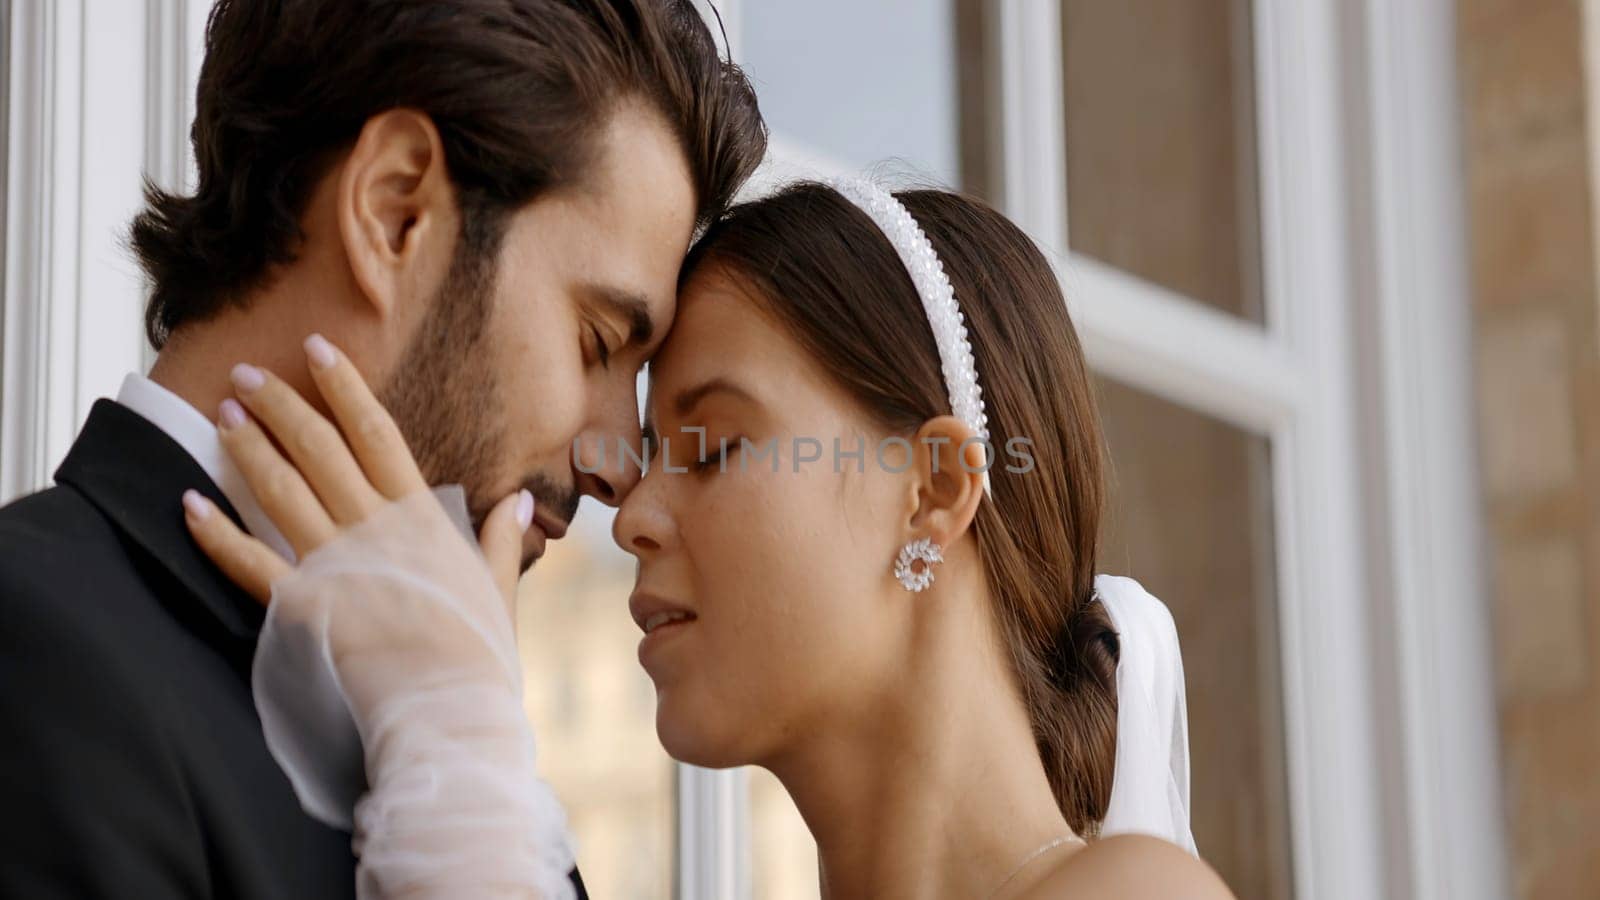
912	578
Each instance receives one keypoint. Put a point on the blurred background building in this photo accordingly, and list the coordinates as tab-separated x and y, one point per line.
1335	265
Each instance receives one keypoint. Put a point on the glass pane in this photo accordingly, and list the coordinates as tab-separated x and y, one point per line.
1160	144
1190	517
595	710
858	83
783	853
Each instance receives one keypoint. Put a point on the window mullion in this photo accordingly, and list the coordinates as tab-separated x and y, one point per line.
1033	154
713	834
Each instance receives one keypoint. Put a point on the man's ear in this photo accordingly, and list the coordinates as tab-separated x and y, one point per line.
396	209
948	479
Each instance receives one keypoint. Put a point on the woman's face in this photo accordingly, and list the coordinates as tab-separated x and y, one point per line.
770	565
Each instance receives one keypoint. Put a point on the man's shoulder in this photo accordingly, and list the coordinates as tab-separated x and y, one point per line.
49	518
69	586
95	762
88	658
47	535
53	543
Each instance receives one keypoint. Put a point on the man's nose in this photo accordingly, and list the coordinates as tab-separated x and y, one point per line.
609	465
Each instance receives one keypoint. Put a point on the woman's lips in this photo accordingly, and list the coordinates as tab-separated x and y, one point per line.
649	610
660	620
665	618
659	636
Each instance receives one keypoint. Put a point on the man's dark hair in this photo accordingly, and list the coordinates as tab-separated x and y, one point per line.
518	89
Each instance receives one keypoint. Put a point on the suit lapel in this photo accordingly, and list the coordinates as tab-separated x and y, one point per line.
136	475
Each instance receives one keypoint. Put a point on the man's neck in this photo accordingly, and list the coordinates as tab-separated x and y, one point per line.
316	293
270	331
195	363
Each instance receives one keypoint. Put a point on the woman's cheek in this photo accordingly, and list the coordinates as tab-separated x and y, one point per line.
741	561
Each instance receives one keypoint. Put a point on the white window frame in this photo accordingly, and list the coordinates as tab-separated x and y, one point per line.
1432	596
91	112
1391	743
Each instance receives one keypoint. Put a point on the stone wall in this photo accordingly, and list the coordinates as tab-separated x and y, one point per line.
1530	204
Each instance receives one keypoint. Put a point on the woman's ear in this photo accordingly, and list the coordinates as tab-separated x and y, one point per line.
948	465
396	209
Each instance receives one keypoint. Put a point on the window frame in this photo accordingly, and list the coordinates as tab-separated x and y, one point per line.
1360	380
82	96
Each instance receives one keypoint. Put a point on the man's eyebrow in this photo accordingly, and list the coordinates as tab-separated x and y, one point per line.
632	307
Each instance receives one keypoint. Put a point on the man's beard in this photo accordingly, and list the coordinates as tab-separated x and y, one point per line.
445	393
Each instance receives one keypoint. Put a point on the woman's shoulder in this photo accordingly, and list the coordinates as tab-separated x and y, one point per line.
1132	866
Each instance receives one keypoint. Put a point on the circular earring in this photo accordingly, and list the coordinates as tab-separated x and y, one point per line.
912	577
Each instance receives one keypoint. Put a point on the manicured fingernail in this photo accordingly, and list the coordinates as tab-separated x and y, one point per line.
524	509
231	413
247	378
320	352
197	506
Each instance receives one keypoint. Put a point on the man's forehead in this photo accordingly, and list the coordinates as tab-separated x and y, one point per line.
640	178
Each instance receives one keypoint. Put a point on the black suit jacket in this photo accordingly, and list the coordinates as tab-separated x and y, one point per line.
132	762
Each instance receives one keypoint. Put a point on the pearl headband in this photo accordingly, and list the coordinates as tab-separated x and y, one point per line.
938	301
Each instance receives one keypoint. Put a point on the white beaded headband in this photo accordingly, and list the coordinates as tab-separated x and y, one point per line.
938	301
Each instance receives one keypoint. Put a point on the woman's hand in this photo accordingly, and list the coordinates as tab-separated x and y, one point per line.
386	674
334	478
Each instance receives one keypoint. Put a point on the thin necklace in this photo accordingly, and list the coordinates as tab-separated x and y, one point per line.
1038	852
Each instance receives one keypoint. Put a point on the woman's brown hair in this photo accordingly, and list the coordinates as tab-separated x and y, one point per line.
825	271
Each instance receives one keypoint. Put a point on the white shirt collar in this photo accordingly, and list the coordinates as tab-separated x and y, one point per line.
198	436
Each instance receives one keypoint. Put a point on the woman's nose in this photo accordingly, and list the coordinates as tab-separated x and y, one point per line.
642	524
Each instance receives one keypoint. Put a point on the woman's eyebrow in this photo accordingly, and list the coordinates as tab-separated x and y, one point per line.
689	398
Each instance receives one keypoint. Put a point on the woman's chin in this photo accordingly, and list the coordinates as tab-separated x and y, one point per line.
698	741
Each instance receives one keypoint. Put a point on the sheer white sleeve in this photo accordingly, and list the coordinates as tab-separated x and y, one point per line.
1150	787
390	693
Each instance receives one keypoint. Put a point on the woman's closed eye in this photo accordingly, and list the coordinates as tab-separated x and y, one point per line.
716	454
